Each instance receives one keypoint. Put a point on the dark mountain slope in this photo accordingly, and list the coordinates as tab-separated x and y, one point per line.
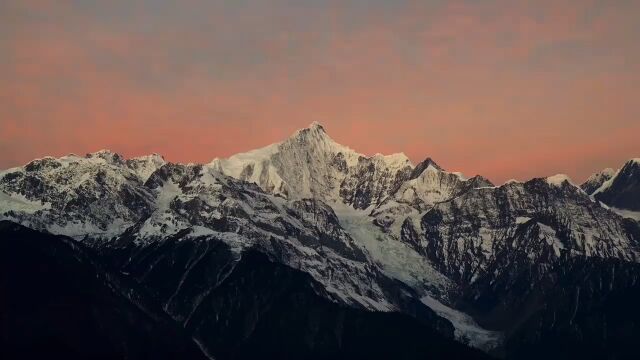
624	190
578	308
56	303
265	309
250	305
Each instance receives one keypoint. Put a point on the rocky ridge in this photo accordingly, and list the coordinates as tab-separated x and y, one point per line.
376	232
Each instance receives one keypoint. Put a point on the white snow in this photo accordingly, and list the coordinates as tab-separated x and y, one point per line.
303	165
234	165
147	165
522	219
396	259
315	124
548	234
162	221
431	168
101	152
635	215
466	329
607	184
397	160
559	179
431	187
197	231
608	172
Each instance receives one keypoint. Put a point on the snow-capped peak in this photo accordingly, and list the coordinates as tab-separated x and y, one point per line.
315	136
607	172
622	190
150	157
102	151
311	164
423	165
146	165
106	155
430	185
316	126
559	180
314	129
596	180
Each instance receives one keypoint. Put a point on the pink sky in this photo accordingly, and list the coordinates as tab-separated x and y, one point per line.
506	89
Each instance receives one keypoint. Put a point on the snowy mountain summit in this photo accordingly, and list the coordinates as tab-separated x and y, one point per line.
473	260
311	164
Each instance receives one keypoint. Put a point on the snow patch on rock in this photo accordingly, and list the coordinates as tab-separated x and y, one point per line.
559	180
466	329
396	259
18	202
635	215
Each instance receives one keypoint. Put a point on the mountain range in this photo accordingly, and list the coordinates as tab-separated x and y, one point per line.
308	249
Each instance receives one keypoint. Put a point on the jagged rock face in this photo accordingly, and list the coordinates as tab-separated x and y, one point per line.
596	180
146	165
420	193
542	221
311	164
101	197
193	195
320	217
623	189
97	195
371	181
433	186
422	166
194	201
